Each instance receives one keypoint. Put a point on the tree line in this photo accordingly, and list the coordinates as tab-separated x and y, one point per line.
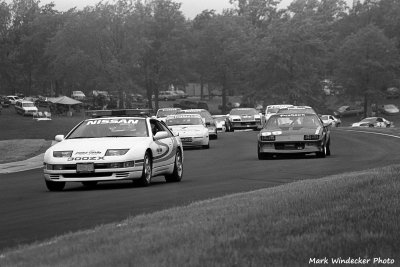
253	48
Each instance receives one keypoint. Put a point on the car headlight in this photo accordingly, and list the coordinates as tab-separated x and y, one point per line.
116	152
62	154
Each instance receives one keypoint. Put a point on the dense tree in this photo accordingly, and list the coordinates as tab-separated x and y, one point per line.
253	49
367	61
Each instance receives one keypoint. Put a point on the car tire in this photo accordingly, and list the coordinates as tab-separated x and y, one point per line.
261	155
328	148
55	186
145	180
206	146
89	184
177	174
322	154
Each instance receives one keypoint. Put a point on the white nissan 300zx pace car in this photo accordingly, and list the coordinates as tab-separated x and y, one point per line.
115	145
191	129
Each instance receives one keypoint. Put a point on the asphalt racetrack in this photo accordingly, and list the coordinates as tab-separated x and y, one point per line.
30	213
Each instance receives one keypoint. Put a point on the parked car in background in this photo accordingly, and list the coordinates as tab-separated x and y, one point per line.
392	92
373	122
5	102
189	104
42	102
25	107
166	96
332	120
78	95
389	109
344	111
13	99
180	94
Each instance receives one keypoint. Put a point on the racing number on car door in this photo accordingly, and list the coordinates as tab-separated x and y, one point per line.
163	152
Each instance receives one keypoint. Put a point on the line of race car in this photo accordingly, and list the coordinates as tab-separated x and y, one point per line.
133	145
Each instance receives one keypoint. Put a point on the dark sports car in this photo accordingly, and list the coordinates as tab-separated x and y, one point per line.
294	133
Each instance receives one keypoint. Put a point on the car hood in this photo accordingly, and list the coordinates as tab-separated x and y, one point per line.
290	131
187	128
98	146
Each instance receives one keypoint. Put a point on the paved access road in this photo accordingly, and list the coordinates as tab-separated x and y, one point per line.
30	213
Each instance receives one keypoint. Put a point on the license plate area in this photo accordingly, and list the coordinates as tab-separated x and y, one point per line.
186	139
84	167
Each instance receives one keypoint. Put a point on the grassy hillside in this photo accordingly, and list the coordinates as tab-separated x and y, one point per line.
353	215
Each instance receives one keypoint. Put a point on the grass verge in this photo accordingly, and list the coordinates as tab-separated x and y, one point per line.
22	149
350	215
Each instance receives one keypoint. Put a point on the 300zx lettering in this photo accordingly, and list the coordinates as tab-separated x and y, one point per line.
85	158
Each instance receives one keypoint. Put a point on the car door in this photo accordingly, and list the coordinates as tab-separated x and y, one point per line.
163	149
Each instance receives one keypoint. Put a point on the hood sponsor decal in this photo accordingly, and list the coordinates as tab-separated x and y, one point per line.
91	153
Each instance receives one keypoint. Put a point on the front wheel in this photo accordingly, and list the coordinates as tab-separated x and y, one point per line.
55	186
145	180
177	174
323	153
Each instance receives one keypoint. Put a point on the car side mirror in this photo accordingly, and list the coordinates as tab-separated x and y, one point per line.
59	138
161	135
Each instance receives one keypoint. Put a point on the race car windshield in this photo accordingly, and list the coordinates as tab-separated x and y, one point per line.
165	113
272	110
243	112
293	121
119	127
204	114
28	105
184	121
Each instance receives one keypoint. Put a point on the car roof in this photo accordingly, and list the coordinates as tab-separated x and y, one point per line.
166	109
194	110
185	116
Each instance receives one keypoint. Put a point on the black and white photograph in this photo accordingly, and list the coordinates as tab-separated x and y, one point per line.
199	133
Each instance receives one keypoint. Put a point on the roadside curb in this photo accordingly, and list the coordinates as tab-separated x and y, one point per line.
24	165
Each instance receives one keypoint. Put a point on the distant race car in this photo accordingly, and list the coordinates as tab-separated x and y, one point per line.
190	128
220	122
115	145
294	133
330	119
243	118
348	111
207	118
163	113
373	122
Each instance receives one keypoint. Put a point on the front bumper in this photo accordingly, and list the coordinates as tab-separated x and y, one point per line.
303	147
194	141
71	175
246	124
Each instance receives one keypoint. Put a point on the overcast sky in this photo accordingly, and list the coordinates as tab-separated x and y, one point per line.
190	8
